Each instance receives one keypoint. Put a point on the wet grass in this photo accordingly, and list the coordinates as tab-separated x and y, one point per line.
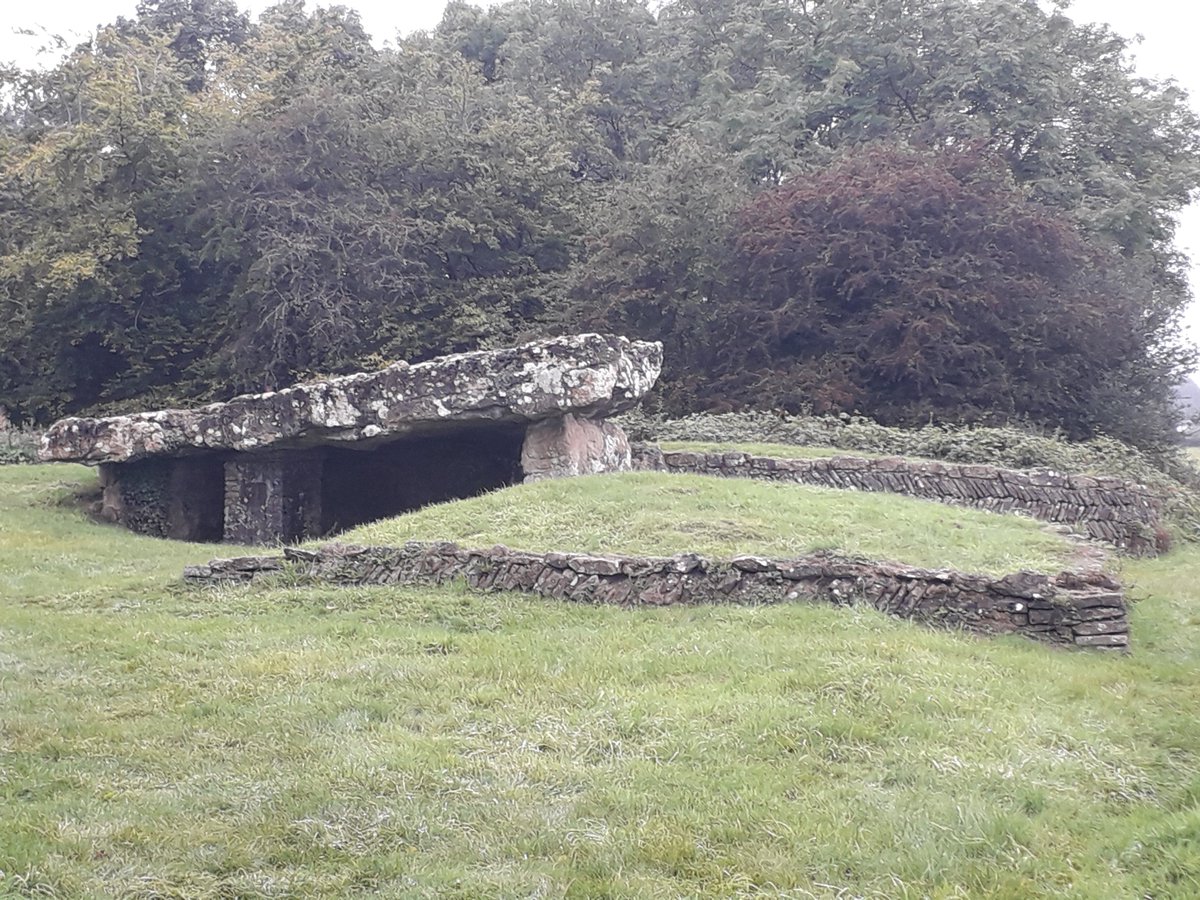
289	741
658	513
783	451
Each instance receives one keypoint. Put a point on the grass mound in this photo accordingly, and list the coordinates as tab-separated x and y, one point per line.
280	741
660	514
1171	473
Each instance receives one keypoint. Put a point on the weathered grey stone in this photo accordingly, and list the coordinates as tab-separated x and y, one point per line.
1103	640
1107	626
320	457
1029	585
595	565
590	375
272	497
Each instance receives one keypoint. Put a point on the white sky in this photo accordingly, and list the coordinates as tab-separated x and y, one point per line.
1168	49
382	18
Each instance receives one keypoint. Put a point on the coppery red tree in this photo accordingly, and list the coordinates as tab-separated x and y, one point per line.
917	285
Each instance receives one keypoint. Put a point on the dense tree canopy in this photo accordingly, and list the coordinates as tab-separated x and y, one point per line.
923	284
948	209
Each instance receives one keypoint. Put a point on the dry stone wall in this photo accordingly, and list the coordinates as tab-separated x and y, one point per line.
272	496
169	498
1120	513
1069	609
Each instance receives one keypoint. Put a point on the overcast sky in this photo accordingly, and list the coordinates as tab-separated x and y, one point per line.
1168	49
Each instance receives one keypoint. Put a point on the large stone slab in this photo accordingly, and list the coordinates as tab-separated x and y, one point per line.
590	375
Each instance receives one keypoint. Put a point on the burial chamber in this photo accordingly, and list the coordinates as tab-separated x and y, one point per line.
322	456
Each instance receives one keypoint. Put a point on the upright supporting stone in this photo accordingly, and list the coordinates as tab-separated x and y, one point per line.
273	497
573	445
112	506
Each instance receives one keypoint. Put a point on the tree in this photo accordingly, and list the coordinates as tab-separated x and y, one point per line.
657	262
315	204
417	212
87	175
782	86
926	285
192	204
194	30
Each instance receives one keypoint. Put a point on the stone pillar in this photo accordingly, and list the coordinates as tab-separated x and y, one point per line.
273	498
573	445
112	508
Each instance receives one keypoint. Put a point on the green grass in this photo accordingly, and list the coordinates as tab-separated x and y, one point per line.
281	741
655	513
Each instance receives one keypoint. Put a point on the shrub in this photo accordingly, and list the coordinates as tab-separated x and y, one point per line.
18	445
926	286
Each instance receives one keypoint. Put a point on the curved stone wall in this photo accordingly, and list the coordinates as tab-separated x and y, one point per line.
1120	513
1070	609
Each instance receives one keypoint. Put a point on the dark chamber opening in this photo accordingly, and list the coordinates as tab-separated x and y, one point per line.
197	508
361	485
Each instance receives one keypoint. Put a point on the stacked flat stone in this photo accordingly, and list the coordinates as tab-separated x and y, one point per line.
1080	609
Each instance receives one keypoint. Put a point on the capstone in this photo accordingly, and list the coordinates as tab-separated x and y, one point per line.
326	455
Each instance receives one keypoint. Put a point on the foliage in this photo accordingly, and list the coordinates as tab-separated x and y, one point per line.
195	29
657	263
312	203
194	203
420	215
782	85
18	445
82	272
910	285
416	742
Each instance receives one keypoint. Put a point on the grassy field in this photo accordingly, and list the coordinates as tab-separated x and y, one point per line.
279	741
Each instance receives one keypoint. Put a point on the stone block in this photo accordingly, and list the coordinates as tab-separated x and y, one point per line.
1102	640
573	445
